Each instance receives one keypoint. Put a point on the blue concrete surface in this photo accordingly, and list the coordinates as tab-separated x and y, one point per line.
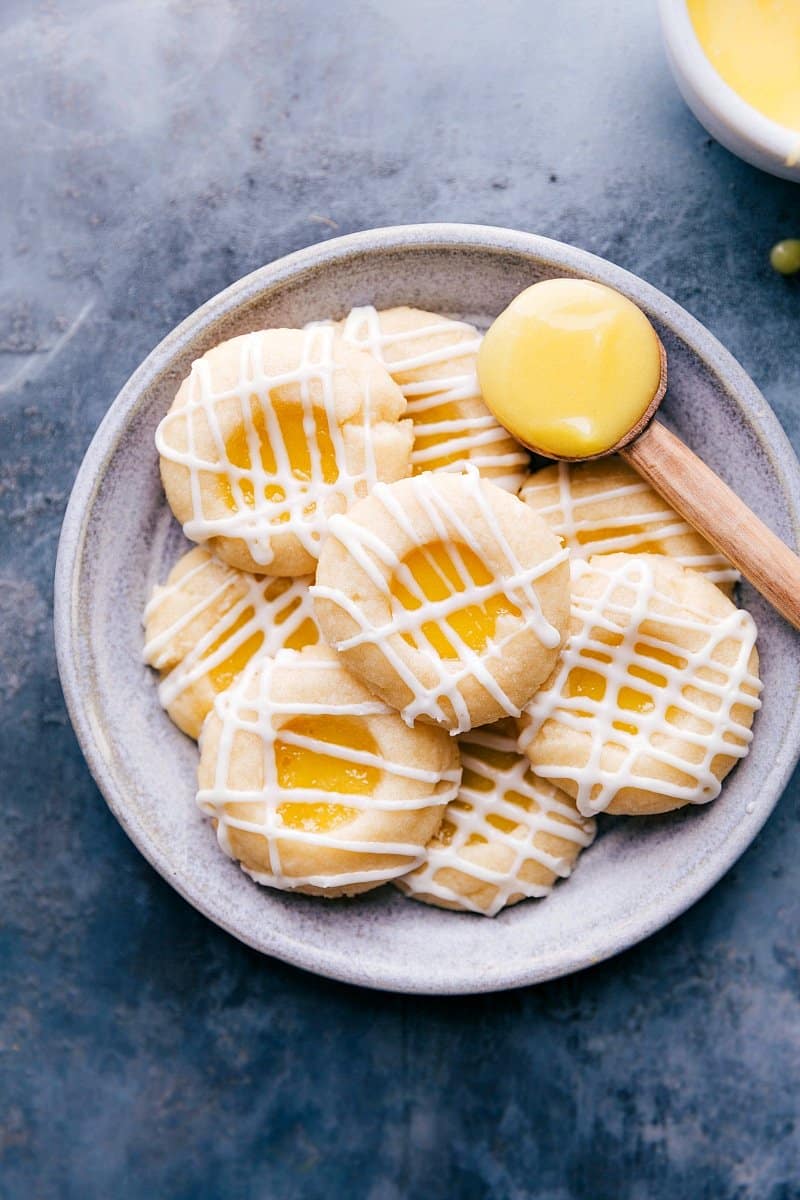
154	150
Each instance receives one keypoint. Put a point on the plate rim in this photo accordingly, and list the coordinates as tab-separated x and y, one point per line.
765	427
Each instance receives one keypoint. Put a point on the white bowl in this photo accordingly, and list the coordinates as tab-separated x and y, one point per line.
119	537
741	128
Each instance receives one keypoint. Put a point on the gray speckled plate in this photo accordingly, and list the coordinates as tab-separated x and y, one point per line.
119	538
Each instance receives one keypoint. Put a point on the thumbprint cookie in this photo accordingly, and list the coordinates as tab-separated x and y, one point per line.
271	433
314	784
507	835
433	359
207	622
652	700
446	595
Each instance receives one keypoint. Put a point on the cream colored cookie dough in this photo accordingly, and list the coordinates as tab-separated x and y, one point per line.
506	837
315	785
652	700
605	507
271	433
446	595
207	622
433	359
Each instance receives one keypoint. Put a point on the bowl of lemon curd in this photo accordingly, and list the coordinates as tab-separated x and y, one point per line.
737	64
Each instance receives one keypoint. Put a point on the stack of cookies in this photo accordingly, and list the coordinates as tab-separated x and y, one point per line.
407	656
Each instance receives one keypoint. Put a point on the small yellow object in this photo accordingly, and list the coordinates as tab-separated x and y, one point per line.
785	256
755	46
297	442
298	767
570	367
439	575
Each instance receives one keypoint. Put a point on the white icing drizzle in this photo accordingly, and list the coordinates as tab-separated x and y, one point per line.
571	516
256	518
381	564
277	619
469	816
240	710
638	652
472	437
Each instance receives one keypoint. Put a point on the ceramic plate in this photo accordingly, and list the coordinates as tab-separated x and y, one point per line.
119	539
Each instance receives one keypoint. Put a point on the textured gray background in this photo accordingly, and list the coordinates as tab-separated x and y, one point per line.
153	152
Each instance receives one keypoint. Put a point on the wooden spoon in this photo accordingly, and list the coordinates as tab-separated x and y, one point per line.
710	506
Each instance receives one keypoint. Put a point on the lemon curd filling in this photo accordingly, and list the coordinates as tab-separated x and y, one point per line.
440	571
425	441
495	760
301	767
297	443
570	367
481	776
583	681
585	537
222	674
755	46
306	633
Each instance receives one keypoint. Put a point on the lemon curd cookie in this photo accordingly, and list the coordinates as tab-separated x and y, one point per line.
207	622
652	700
314	784
604	507
446	595
272	432
433	359
507	835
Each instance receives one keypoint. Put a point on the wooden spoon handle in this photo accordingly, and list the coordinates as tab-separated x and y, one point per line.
714	510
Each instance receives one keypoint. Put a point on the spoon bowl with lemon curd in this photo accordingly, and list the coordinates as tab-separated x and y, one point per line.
574	370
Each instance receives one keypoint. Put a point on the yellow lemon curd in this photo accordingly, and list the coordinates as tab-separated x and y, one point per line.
441	571
584	681
755	46
570	367
302	767
494	760
238	450
223	674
